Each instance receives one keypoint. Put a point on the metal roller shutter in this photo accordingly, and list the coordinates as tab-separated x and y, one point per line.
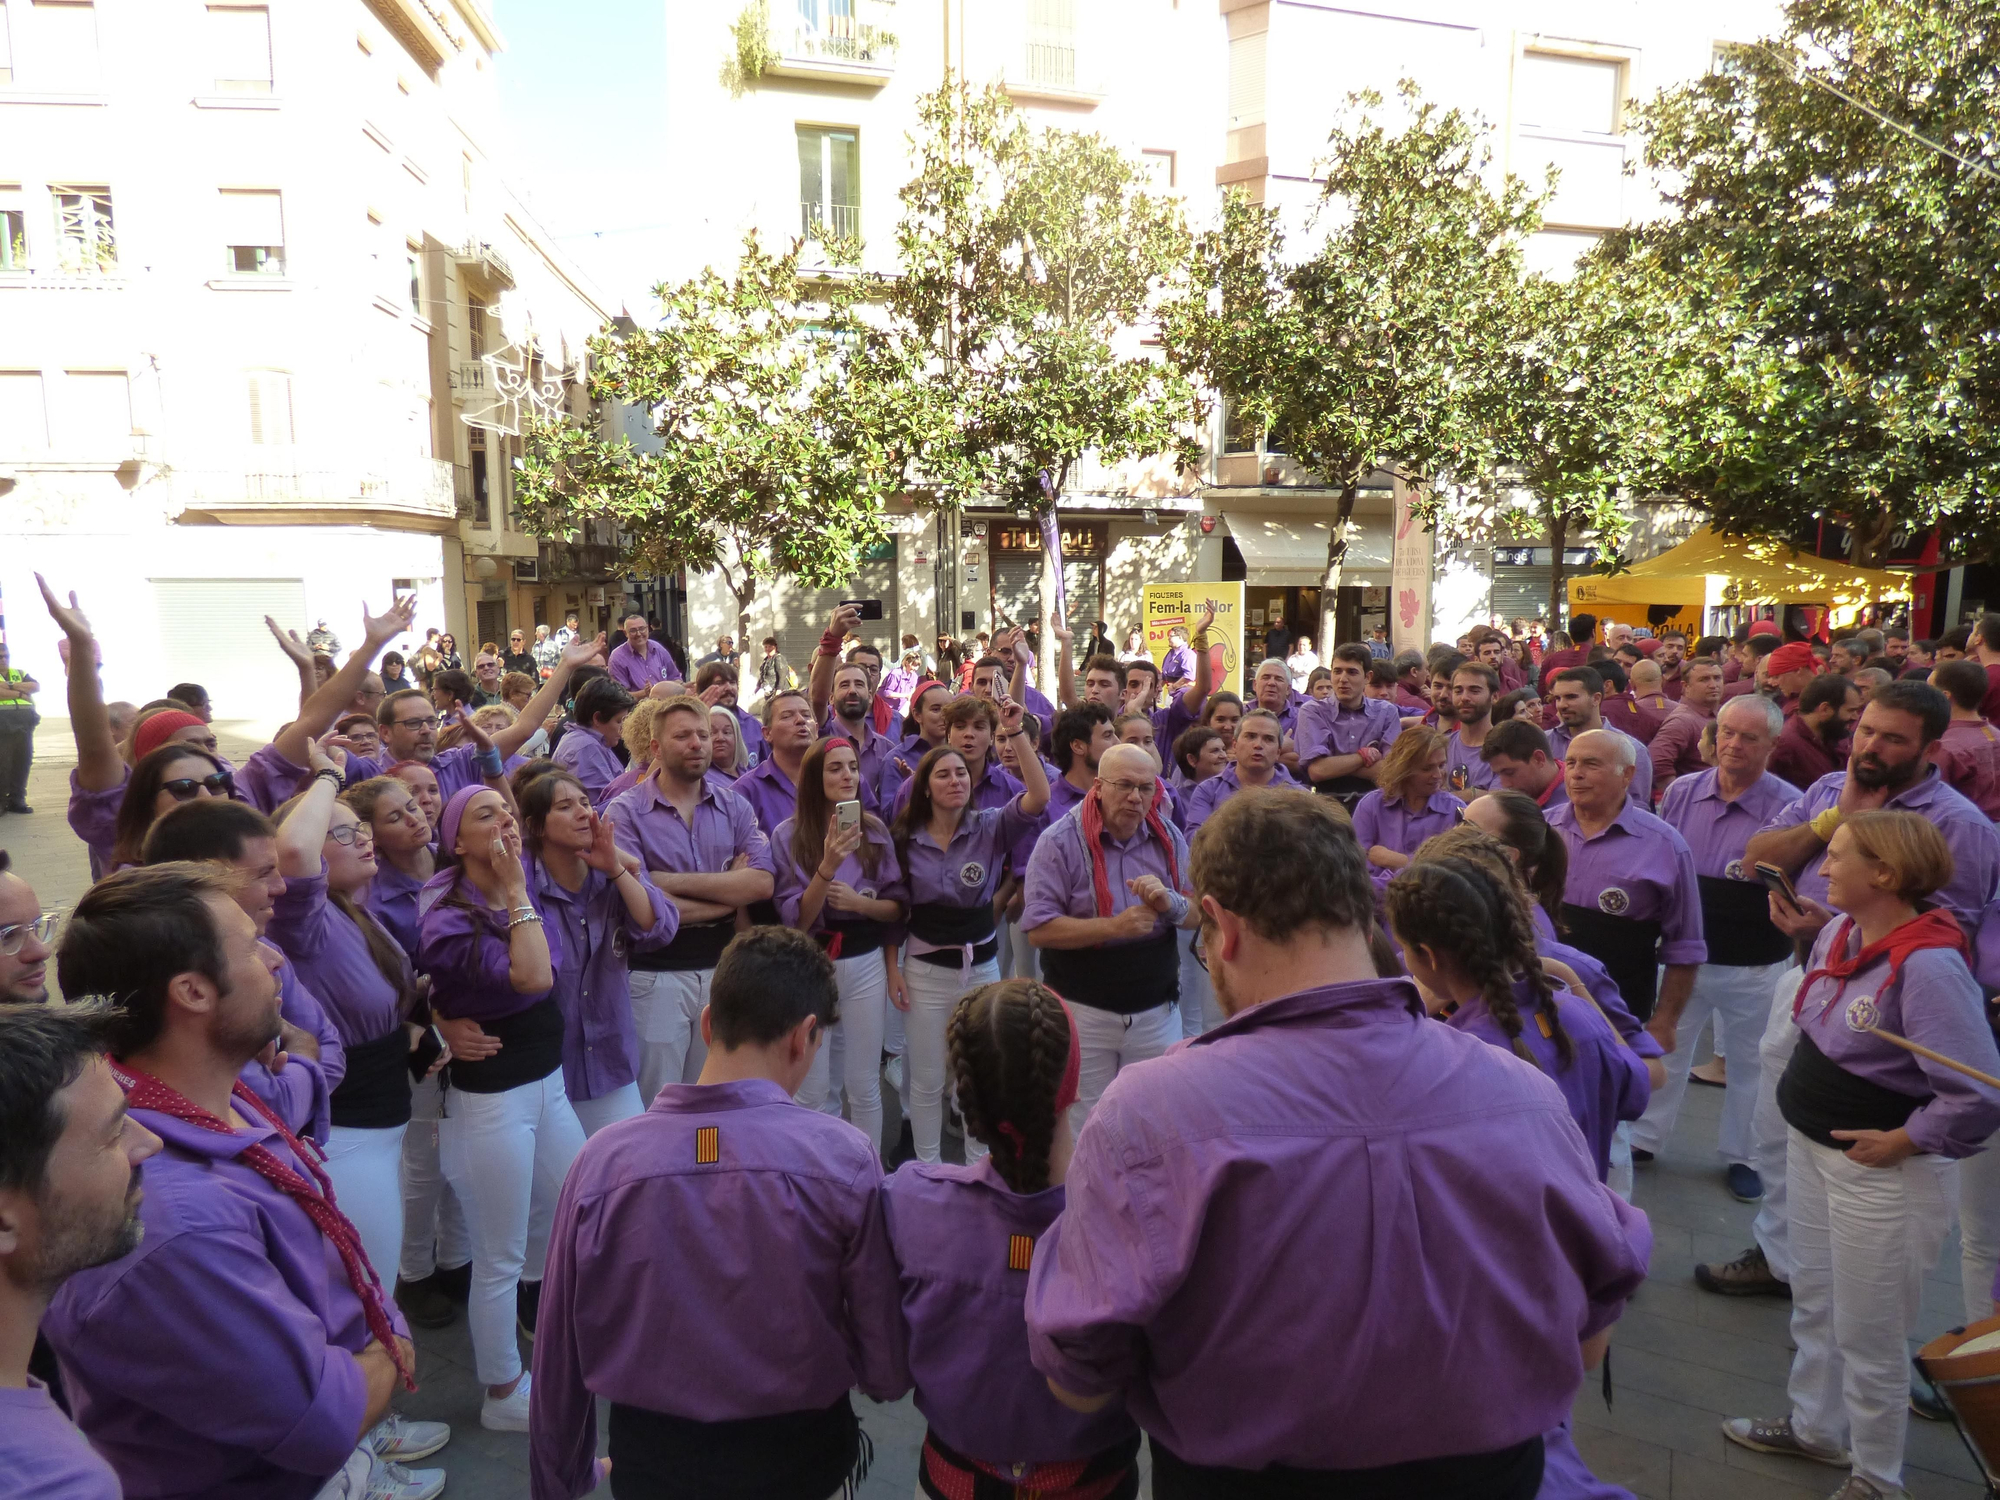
212	632
1522	592
1017	590
806	612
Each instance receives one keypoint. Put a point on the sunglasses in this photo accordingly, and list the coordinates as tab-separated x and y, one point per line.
187	788
14	937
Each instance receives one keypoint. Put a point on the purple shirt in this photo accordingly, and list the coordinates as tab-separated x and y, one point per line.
1604	1083
639	670
876	752
214	1360
267	780
1640	869
1178	664
1063	798
966	871
453	768
1464	771
751	733
965	1322
1330	1170
646	824
1059	873
46	1457
1170	723
600	1043
898	766
93	817
332	956
462	943
1640	793
1203	798
996	787
301	1093
1934	1001
585	756
886	884
1975	847
1377	820
770	793
767	1270
1716	830
392	898
1325	728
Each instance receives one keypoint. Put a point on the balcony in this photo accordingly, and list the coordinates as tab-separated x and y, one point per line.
819	220
586	562
405	493
481	259
837	48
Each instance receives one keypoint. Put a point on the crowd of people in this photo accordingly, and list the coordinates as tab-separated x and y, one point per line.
1318	1027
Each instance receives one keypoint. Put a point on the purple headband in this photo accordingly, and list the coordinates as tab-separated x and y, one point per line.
453	811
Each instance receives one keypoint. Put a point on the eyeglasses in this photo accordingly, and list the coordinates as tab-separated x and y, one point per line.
1130	788
14	937
428	722
187	788
349	834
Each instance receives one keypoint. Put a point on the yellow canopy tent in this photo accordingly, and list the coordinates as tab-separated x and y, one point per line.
1712	571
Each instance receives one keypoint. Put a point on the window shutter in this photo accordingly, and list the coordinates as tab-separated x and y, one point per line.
1246	80
270	407
252	217
240	44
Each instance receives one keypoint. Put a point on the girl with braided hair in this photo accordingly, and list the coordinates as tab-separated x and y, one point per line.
1472	952
964	1238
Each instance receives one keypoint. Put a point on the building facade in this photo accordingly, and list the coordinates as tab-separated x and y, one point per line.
268	311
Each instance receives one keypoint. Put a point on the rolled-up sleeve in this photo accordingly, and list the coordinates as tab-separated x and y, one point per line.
1681	937
1943	1009
1052	877
1314	731
747	838
666	916
788	885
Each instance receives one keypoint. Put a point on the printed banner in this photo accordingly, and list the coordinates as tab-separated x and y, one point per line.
1171	607
1410	572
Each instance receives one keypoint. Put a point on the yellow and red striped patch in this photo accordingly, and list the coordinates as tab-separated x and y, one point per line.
707	1146
1020	1252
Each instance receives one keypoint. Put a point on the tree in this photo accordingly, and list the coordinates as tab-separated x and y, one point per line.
784	417
1371	352
1833	280
1029	260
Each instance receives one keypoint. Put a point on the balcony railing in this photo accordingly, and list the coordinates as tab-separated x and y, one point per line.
842	39
1052	64
589	561
414	485
817	220
846	48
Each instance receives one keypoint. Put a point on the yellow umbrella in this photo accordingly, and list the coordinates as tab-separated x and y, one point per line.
1713	571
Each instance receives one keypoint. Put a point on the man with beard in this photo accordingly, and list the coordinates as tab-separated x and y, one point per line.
246	1347
1474	686
1342	739
1671	658
1082	735
1490	650
1577	695
852	717
69	1200
1824	716
1519	756
1676	749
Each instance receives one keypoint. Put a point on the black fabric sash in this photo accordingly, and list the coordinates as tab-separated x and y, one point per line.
1510	1474
530	1050
951	926
1736	921
1123	979
1109	1474
852	939
1817	1096
696	946
795	1455
1628	949
1346	790
374	1093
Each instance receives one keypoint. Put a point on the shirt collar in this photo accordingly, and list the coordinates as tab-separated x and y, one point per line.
1358	1002
708	1098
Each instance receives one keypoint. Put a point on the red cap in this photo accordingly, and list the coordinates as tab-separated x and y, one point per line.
1766	627
1647	644
1797	657
153	733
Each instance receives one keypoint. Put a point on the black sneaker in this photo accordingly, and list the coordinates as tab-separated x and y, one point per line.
20	807
1641	1156
424	1303
1749	1275
455	1282
527	1303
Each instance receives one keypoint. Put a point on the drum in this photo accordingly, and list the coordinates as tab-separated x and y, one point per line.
1964	1365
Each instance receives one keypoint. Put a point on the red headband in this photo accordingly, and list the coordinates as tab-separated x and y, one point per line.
153	733
1065	1091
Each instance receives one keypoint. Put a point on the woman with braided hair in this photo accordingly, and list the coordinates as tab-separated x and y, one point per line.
1472	952
995	1428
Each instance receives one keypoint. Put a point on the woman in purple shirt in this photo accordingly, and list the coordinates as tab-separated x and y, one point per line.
1409	802
587	752
508	1133
952	856
403	859
844	888
363	980
596	895
1014	1056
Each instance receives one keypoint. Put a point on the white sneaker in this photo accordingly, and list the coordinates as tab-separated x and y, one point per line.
507	1413
394	1482
400	1439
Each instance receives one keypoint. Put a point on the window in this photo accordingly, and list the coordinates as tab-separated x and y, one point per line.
239	41
1238	435
24	418
85	242
829	183
1160	169
1052	43
1570	95
95	412
13	230
1246	79
270	407
414	261
253	231
482	504
64	38
475	328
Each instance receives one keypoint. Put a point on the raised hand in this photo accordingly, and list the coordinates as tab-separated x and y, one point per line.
289	643
714	693
584	651
840	842
317	758
603	854
1010	714
70	617
1207	619
381	629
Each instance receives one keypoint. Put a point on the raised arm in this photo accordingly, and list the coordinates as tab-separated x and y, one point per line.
1194	697
580	652
99	767
1034	780
1065	668
299	654
329	702
302	836
826	660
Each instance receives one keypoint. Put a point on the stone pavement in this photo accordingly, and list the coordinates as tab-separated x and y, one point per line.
1682	1358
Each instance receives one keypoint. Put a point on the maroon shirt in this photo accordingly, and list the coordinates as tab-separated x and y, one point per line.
1989	706
1556	661
1801	756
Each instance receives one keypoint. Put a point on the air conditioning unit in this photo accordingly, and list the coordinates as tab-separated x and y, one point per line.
528	570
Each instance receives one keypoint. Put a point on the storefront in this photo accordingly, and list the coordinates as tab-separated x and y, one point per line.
1521	577
1015	550
1281	556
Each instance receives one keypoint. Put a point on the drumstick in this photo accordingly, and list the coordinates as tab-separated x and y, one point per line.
1861	1016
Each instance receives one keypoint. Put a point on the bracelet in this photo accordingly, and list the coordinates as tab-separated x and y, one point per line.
329	774
1016	734
521	914
489	761
1824	824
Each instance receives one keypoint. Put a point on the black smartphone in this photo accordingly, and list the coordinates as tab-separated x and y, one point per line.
871	609
1778	883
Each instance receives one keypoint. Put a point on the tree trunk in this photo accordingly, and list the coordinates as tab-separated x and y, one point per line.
1336	562
746	658
1558	540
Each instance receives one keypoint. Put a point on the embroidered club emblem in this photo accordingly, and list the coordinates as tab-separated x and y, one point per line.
1020	1252
1734	869
972	874
707	1146
1613	901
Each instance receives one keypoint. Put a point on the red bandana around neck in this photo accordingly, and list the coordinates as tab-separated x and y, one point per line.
1091	816
144	1091
1934	929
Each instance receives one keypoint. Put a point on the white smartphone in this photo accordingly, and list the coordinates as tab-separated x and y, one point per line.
846	815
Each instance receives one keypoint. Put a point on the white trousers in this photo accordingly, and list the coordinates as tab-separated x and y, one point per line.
1199	1008
607	1109
666	1009
433	1224
1110	1042
1019	958
934	991
506	1155
1979	1230
1739	999
1769	1138
849	1063
366	1167
1861	1240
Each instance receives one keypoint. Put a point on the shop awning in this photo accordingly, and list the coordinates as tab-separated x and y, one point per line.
1715	571
1283	549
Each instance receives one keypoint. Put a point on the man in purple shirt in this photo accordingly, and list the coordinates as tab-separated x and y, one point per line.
1631	901
69	1200
1177	666
1474	687
1302	1177
1342	739
1078	741
771	786
1717	812
1676	749
245	1349
703	849
743	1233
1258	764
1106	893
640	661
1522	761
1577	695
850	716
